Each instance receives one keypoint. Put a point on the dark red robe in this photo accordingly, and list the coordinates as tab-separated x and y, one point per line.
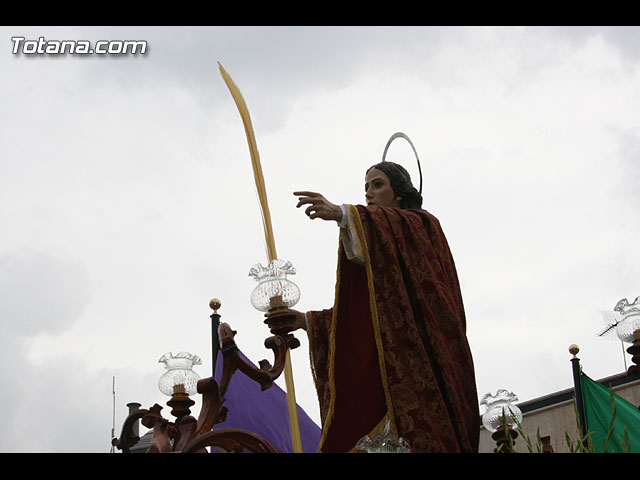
394	346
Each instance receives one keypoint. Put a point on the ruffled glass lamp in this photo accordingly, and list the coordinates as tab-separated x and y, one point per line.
179	373
499	405
629	314
383	442
274	289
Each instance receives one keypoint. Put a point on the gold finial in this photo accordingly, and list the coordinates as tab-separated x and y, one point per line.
215	304
574	349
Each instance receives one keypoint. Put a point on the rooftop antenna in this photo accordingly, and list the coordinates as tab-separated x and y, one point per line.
612	318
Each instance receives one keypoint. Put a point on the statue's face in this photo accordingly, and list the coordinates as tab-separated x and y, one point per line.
378	191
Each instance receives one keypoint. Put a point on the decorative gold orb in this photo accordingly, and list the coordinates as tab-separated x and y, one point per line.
574	349
215	304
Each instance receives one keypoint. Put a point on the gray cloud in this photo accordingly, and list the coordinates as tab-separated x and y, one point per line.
626	171
40	293
127	198
625	38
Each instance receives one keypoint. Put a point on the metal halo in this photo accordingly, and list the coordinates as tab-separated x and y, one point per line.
402	135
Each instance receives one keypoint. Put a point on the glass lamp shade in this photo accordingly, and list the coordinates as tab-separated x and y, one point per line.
626	327
383	442
499	405
630	314
179	372
274	289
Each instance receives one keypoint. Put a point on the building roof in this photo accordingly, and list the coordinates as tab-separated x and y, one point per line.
568	394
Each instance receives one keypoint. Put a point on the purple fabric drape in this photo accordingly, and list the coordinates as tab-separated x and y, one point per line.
265	413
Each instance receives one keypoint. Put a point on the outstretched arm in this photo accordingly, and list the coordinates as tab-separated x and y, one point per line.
319	207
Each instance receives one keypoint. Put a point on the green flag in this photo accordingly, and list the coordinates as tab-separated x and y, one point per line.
599	413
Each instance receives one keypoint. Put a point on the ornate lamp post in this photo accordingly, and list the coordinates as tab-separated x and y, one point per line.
502	418
187	434
275	294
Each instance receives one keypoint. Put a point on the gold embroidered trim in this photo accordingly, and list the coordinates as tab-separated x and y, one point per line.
310	321
331	354
355	222
354	216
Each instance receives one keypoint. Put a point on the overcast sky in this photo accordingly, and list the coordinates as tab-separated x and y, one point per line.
127	199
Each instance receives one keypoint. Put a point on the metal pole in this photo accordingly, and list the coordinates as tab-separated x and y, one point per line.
578	389
215	304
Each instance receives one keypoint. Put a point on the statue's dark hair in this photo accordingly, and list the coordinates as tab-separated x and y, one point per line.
401	184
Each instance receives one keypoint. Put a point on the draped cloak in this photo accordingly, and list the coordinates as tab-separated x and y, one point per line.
393	349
